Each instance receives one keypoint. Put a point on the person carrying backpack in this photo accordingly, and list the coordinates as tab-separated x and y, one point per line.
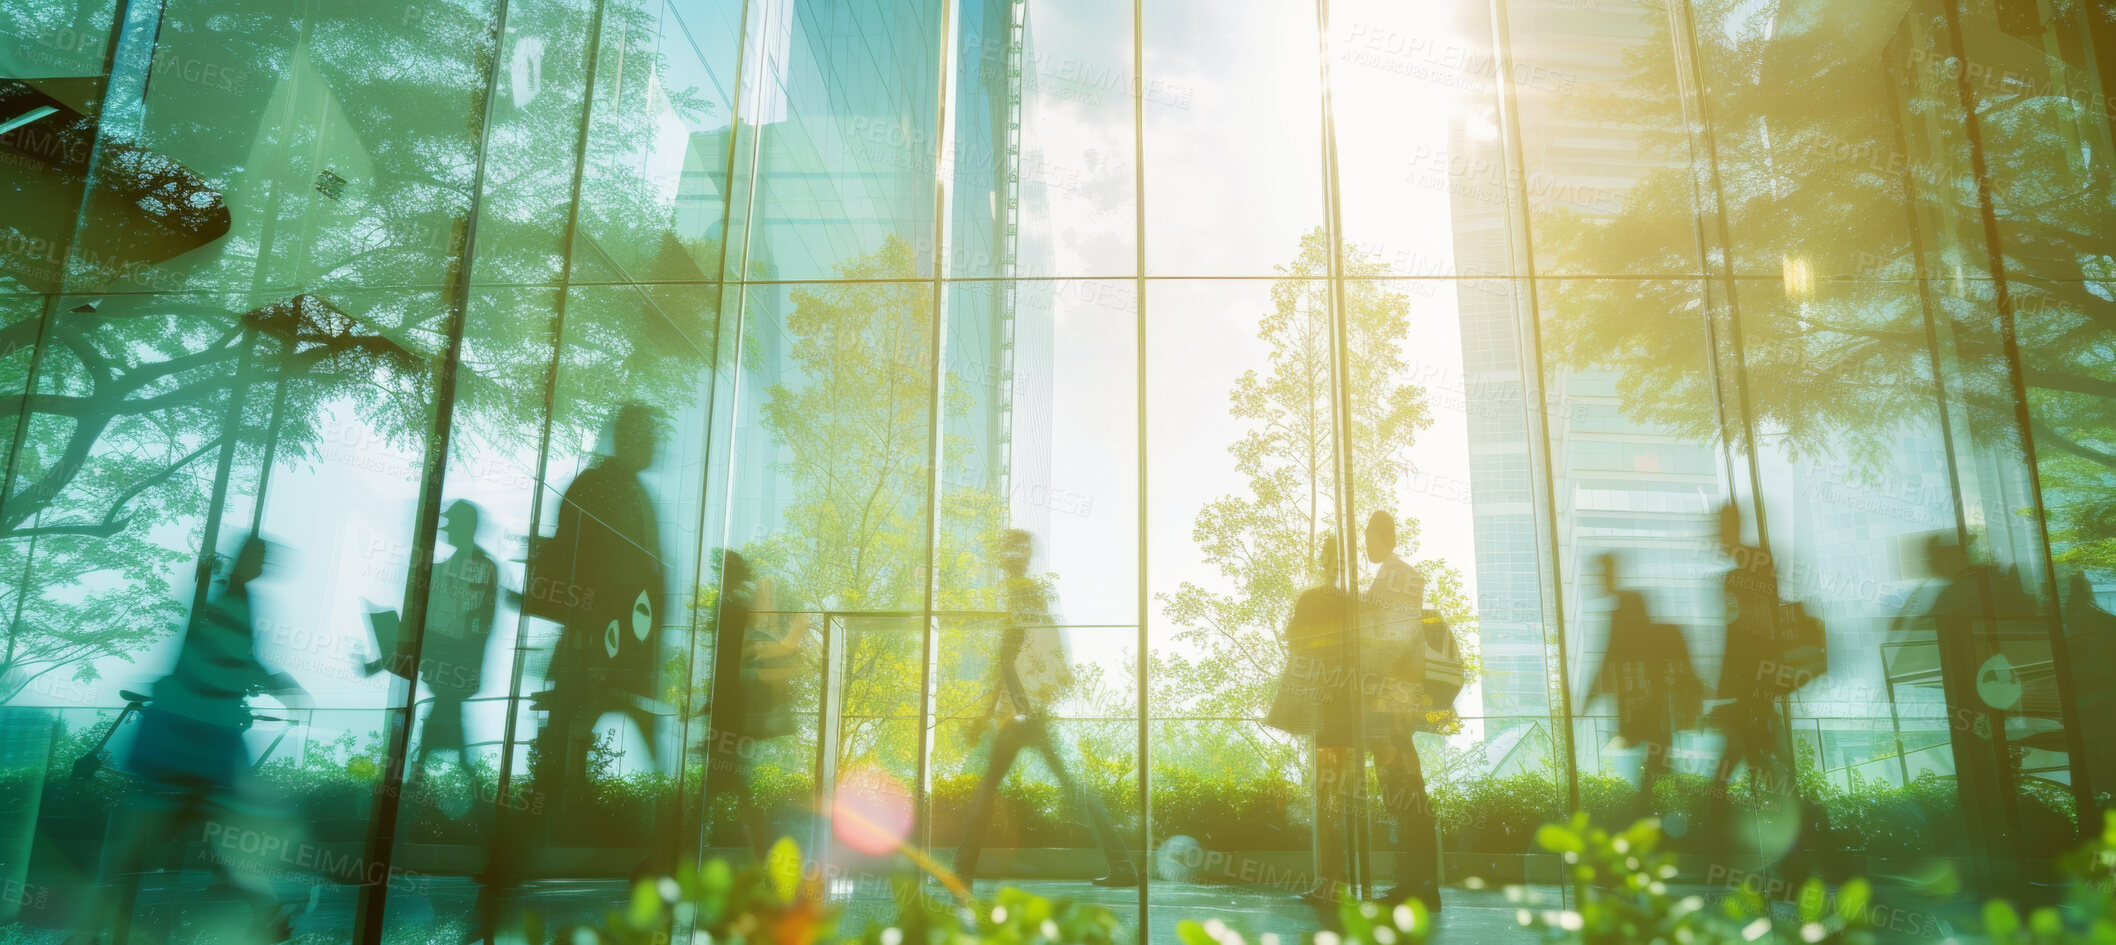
1647	670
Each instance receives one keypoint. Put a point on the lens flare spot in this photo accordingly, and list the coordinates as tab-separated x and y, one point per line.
872	812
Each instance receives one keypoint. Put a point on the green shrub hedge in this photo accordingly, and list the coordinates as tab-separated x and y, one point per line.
330	794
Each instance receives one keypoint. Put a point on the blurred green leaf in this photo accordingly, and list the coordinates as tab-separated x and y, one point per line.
646	905
1558	839
1814	899
1189	932
1852	899
2000	921
783	865
2046	923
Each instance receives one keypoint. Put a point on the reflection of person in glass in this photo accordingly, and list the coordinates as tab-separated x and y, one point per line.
189	753
751	704
1395	638
1032	672
1960	602
1647	670
1751	677
601	576
2092	634
460	603
1315	700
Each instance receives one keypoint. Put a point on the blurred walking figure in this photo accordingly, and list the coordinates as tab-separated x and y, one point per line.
1316	699
601	576
1420	676
1963	605
189	753
2093	650
460	606
1033	670
1773	649
751	704
1752	678
1647	669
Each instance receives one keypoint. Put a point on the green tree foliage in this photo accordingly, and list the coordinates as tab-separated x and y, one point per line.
316	320
1266	543
855	421
1842	170
853	417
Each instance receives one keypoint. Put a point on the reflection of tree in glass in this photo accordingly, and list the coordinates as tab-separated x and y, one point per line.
853	416
322	303
1264	543
1820	131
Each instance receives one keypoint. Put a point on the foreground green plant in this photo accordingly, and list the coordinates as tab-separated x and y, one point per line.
1624	897
1362	923
778	903
2088	913
1012	917
771	902
782	904
1621	881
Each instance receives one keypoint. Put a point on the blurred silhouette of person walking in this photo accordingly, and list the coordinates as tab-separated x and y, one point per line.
188	752
2092	631
1316	699
1773	648
1752	680
1647	670
462	600
751	704
1415	649
1963	604
1032	672
601	576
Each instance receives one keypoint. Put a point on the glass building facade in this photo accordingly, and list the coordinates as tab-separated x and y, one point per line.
655	427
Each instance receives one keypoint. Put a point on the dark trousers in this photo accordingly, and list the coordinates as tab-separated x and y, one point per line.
727	773
559	785
1659	747
1756	735
1404	797
1033	734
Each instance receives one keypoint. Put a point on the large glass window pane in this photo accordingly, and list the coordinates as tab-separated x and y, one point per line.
1809	186
1444	699
1230	197
1034	756
843	101
532	142
1415	95
1042	174
654	194
602	674
1598	103
236	439
1638	478
2042	133
318	199
830	511
457	769
1243	485
1859	496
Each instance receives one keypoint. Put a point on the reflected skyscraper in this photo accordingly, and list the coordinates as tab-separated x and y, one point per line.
1621	484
